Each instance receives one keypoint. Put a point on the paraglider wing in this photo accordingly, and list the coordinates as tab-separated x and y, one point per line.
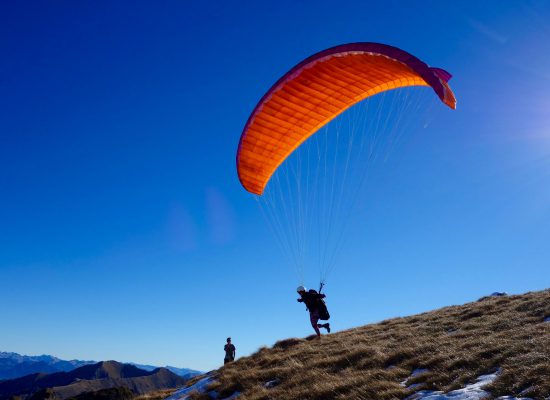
316	91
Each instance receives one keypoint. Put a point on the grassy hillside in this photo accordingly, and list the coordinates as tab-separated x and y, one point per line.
454	345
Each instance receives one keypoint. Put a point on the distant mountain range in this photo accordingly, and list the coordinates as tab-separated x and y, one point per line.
89	378
183	372
13	365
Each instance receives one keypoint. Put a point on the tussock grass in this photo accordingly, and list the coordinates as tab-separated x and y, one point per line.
455	344
156	395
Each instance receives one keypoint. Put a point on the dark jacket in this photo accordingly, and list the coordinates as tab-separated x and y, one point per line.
311	300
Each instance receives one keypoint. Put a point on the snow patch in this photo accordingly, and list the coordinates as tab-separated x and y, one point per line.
271	384
416	372
201	387
473	391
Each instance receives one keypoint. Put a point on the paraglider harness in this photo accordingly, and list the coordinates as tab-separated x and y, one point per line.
323	310
321	305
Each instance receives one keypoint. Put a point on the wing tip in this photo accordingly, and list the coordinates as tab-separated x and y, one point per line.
441	74
448	96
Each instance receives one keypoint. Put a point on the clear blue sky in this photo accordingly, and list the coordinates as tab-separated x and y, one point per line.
125	234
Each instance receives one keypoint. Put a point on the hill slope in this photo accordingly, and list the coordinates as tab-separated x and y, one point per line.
442	350
184	372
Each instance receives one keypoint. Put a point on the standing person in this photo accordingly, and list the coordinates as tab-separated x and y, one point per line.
229	352
316	307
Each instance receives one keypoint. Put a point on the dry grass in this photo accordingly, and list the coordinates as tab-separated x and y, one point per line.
156	395
455	344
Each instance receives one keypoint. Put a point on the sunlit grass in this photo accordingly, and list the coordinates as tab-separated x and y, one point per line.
455	345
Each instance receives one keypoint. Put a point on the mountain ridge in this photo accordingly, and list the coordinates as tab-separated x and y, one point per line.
89	378
14	365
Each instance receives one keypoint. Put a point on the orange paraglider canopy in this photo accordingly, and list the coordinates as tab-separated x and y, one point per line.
316	91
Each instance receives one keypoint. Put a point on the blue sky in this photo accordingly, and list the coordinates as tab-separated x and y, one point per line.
125	234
